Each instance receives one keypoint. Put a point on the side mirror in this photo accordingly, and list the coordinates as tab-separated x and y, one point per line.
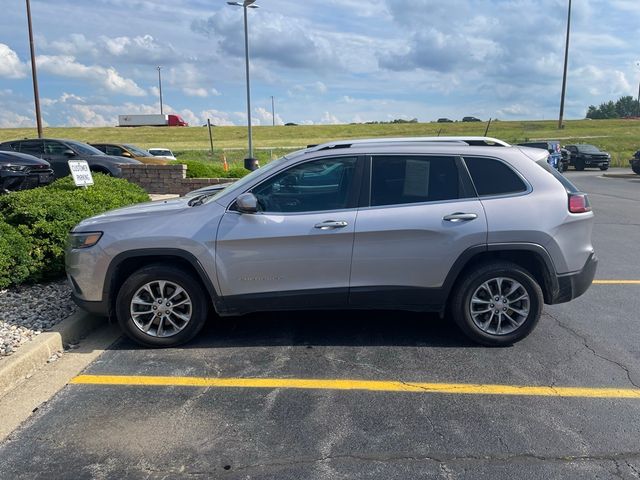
69	153
247	203
127	154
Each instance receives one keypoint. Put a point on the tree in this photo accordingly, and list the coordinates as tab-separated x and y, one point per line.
624	107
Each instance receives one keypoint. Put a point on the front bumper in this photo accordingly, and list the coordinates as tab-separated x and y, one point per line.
100	309
573	285
14	181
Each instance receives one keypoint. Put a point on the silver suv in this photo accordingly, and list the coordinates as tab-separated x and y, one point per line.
472	228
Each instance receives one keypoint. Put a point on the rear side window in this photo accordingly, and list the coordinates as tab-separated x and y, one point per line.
397	180
32	147
492	177
569	187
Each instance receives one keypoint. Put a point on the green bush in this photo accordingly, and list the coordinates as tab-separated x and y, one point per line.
196	169
15	259
200	169
44	216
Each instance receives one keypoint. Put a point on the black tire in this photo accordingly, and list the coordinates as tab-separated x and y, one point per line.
460	305
604	167
579	164
199	305
636	167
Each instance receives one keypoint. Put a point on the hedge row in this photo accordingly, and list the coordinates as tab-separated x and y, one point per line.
34	223
198	169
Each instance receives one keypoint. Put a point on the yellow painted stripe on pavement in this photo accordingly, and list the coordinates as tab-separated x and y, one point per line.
616	282
369	385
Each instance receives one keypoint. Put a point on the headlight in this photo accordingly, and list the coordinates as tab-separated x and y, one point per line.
16	168
84	239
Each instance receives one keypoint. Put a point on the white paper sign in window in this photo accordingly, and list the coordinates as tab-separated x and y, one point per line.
416	178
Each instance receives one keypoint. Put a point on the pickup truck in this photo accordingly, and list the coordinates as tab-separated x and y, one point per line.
583	156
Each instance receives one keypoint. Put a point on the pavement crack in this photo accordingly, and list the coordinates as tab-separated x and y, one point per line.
585	343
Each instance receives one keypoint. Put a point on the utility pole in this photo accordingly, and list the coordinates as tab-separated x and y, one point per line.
34	73
273	111
564	75
160	87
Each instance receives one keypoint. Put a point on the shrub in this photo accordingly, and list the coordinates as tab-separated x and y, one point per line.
15	261
44	216
196	169
237	172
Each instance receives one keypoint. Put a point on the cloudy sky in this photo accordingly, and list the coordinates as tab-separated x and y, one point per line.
324	61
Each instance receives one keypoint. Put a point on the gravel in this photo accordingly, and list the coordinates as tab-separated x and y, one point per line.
27	311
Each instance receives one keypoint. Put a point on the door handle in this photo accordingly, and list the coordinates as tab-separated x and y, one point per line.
460	217
330	225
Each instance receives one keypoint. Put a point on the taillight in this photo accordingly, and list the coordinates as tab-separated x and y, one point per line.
579	203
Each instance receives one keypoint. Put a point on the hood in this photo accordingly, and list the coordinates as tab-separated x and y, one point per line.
14	158
139	210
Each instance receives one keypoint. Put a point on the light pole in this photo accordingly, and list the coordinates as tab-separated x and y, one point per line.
247	4
273	111
564	75
160	87
34	73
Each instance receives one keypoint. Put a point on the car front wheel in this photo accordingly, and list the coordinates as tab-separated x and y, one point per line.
604	167
160	306
497	304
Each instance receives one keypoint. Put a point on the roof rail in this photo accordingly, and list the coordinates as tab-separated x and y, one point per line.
461	140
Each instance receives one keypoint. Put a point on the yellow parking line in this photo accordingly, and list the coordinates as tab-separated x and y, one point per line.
369	385
616	282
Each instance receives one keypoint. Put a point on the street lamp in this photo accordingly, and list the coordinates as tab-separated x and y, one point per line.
249	162
564	75
160	87
34	73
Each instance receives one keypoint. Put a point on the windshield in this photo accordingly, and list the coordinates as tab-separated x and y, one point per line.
588	149
160	153
240	184
138	152
83	148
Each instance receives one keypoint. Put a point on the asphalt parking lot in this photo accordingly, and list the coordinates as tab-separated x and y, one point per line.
368	395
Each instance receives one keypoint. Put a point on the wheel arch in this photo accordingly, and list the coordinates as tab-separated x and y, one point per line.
124	264
532	257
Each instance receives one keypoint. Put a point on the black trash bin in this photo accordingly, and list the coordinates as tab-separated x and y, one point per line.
251	164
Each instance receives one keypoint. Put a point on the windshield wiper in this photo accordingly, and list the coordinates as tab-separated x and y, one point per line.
194	202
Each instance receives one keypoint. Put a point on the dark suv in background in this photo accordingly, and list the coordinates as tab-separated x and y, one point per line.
58	152
635	162
21	172
583	156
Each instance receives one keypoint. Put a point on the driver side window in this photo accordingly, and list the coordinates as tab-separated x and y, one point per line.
319	185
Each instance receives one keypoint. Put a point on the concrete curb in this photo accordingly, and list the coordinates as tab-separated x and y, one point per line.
621	175
33	355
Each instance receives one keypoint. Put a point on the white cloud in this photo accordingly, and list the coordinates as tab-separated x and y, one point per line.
108	78
10	64
10	119
200	92
330	119
265	117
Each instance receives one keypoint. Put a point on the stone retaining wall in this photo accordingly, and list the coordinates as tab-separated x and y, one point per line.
167	179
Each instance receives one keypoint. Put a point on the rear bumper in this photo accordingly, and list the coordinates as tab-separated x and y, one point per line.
575	284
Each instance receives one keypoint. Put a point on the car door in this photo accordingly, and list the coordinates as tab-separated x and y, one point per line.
422	214
54	154
296	251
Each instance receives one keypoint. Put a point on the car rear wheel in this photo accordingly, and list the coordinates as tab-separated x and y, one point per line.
604	167
159	306
497	304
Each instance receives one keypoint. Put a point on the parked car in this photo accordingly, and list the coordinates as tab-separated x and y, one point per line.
19	171
635	162
162	152
582	156
444	120
556	158
130	151
471	119
59	151
441	227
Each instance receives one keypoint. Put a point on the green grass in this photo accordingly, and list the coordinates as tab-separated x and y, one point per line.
619	137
